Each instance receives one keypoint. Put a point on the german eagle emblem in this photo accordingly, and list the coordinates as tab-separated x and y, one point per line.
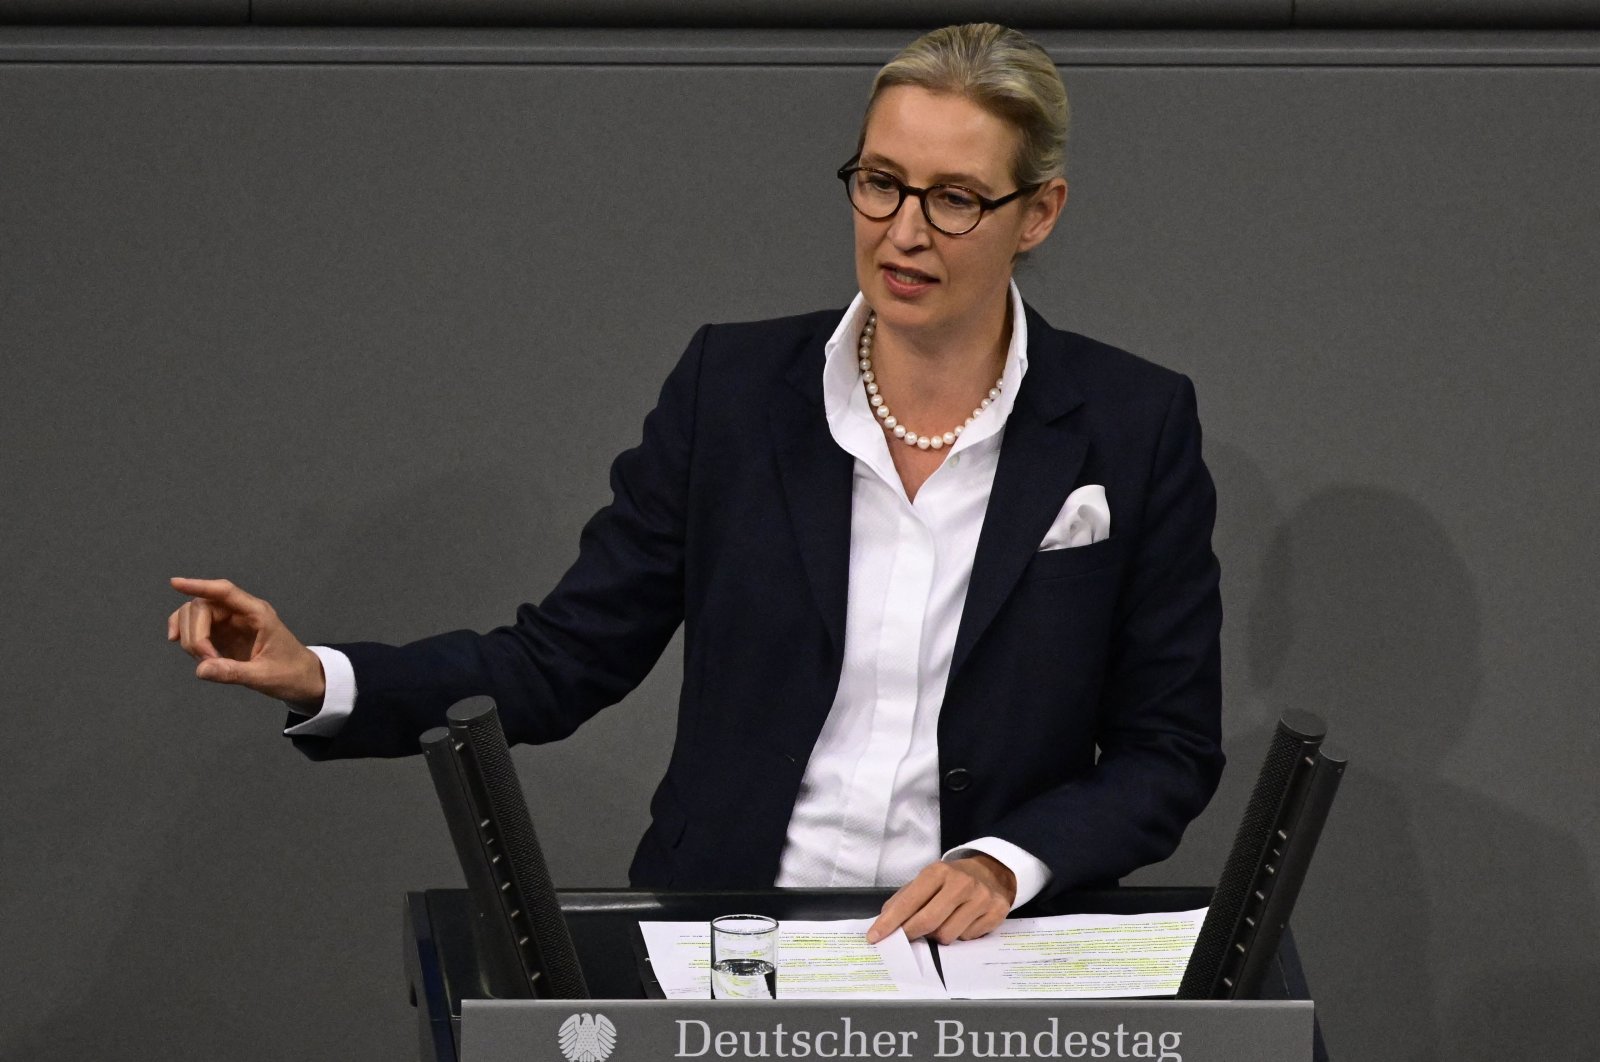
588	1038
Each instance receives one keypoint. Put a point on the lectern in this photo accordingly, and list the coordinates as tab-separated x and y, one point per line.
511	968
444	974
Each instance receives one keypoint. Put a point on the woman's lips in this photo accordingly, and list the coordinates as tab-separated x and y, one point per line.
906	283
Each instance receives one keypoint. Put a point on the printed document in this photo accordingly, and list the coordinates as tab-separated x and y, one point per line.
816	960
1074	957
1083	956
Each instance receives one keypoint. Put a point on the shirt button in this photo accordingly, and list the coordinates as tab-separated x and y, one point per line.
957	778
955	460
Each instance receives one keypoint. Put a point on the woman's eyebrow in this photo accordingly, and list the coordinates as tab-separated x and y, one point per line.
878	162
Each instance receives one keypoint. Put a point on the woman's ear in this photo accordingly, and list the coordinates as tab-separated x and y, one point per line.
1043	211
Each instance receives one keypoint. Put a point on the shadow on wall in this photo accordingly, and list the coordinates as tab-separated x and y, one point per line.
1437	922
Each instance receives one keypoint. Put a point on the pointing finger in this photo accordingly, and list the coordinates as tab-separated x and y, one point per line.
903	905
221	591
935	913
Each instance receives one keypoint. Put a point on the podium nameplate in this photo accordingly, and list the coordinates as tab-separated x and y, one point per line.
604	1030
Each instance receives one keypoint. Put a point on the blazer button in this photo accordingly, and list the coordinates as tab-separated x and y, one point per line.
957	778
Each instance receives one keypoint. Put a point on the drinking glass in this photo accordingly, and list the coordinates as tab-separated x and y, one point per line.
744	957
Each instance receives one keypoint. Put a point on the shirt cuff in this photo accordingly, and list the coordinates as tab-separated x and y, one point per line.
1032	875
338	697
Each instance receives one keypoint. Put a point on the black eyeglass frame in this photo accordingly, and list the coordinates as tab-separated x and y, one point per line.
985	205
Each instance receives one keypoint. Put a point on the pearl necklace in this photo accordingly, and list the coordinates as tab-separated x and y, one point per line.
887	419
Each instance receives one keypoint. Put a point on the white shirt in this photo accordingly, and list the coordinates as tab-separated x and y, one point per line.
868	808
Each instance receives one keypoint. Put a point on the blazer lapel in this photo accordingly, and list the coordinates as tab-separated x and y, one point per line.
816	476
1040	457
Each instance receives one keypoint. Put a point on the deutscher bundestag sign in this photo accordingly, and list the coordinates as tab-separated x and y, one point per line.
601	1030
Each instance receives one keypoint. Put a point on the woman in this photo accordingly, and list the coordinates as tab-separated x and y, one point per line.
915	653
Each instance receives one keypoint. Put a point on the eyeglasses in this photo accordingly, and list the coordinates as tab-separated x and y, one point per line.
950	208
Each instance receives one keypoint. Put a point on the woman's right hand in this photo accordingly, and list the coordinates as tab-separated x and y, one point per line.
238	639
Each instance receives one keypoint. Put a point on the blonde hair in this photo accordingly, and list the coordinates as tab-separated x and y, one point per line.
1000	70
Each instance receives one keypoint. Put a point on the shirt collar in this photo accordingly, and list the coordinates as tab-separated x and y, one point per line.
850	416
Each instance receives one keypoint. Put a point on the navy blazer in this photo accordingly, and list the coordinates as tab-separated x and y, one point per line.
1081	720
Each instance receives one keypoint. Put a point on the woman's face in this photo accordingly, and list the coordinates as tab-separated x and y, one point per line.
923	283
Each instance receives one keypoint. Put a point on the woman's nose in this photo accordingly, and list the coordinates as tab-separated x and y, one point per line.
908	229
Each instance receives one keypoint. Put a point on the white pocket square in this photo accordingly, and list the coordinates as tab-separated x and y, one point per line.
1085	518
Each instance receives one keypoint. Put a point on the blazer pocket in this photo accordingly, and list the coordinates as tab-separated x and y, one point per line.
1074	560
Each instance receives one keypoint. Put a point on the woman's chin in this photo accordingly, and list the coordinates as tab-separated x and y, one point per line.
902	315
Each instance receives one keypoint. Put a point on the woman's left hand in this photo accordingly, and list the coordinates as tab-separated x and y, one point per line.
959	900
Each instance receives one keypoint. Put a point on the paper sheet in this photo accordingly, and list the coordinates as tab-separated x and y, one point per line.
816	960
1074	957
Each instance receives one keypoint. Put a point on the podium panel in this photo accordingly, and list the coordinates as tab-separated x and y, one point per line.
615	1030
456	1024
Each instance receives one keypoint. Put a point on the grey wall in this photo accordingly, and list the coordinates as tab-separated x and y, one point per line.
832	14
358	320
